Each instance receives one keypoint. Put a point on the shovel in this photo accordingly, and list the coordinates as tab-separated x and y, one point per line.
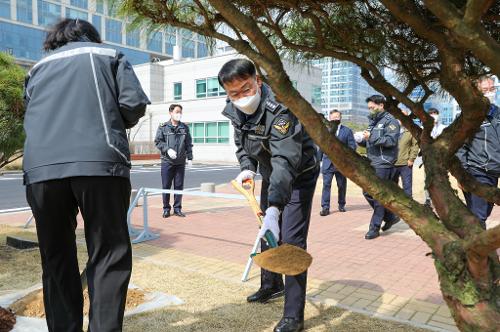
285	259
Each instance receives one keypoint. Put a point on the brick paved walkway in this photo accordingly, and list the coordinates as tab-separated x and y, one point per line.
389	277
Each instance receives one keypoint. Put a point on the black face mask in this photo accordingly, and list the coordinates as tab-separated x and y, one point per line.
335	122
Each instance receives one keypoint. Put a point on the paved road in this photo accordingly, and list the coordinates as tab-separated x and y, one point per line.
12	189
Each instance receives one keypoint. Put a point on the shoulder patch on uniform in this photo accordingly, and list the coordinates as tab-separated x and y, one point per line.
162	124
282	125
272	106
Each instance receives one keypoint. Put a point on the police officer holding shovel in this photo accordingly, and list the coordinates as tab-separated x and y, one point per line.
269	137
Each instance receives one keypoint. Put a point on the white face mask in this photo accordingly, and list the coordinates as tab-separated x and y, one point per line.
491	96
177	116
248	105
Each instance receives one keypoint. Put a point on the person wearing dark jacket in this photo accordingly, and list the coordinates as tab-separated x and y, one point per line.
480	156
328	169
175	144
79	100
269	138
381	141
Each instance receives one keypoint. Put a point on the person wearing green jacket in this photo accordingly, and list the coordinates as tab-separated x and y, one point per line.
407	153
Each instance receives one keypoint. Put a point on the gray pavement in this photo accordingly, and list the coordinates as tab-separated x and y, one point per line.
12	193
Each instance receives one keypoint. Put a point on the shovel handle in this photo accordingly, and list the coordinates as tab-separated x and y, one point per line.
248	190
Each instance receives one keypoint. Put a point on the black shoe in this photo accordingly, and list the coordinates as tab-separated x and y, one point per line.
324	212
287	324
389	224
179	214
341	209
372	234
166	214
264	295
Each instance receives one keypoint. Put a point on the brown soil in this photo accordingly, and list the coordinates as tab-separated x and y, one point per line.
32	304
285	259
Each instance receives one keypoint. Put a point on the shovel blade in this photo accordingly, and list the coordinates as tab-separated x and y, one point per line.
285	259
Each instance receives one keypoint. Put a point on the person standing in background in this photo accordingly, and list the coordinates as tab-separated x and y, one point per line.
328	169
407	153
175	144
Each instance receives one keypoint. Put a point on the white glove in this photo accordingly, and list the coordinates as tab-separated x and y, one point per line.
172	154
358	137
190	164
271	223
244	175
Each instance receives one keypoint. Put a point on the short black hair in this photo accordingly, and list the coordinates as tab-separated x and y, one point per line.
335	111
70	30
236	69
173	106
433	110
377	99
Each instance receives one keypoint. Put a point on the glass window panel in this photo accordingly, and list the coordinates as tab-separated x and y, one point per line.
113	31
224	129
223	140
212	86
99	6
133	37
187	48
5	8
211	129
198	140
169	43
20	41
97	23
201	88
80	3
155	41
177	91
75	13
48	13
211	140
202	50
24	11
199	130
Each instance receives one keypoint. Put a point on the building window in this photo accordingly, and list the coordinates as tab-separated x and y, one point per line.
178	91
21	42
187	48
216	132
170	42
202	50
133	37
316	95
80	3
24	11
97	22
209	87
75	13
48	13
99	6
155	41
113	31
5	8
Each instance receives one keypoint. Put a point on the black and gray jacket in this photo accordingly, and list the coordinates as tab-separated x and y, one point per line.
79	101
273	140
176	138
482	151
382	145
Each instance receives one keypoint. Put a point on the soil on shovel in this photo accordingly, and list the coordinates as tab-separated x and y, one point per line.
31	305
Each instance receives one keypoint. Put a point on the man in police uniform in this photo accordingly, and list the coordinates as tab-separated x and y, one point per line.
175	144
480	155
381	141
269	136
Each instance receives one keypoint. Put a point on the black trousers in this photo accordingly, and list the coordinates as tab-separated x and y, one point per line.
294	227
103	203
172	173
380	213
327	188
406	174
479	206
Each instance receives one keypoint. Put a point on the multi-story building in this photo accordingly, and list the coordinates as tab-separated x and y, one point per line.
23	24
344	89
194	84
